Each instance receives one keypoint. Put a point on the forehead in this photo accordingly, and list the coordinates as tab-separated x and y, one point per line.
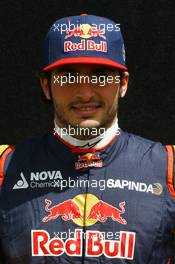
88	68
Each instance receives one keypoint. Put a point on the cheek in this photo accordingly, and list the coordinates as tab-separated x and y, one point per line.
59	95
110	95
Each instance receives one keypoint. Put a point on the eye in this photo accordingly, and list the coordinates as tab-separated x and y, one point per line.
67	78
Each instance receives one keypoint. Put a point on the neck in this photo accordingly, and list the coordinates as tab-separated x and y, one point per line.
97	141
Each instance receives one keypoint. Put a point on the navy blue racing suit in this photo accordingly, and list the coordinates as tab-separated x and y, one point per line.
60	204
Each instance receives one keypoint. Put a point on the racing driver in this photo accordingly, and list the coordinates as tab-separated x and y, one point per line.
86	192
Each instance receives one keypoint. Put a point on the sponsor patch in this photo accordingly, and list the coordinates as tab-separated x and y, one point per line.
89	45
84	210
43	245
88	160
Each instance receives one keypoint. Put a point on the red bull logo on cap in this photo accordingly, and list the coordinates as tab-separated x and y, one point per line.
85	31
89	45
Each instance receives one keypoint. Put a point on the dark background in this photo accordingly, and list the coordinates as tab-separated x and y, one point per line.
148	29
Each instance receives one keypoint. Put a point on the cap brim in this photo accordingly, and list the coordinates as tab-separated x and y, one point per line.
85	60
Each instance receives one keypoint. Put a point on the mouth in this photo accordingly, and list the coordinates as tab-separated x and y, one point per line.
86	110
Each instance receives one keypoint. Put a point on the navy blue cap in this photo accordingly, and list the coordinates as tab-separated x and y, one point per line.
86	39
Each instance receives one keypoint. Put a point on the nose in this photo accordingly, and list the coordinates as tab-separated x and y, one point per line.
85	92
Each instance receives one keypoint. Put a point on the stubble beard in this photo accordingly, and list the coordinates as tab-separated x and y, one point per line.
105	123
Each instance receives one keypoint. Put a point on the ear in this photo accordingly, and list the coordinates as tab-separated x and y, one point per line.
45	87
124	84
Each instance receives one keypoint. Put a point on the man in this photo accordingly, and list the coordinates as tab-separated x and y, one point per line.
87	192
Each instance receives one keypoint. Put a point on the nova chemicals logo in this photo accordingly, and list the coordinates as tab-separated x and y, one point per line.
40	179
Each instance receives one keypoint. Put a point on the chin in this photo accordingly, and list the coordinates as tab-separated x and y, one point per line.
89	123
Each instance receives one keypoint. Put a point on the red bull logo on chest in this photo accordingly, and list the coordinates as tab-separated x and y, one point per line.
84	210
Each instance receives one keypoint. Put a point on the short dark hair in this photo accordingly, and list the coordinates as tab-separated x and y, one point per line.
45	74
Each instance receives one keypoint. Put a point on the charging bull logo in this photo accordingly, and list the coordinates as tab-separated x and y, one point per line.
68	210
101	211
85	209
85	31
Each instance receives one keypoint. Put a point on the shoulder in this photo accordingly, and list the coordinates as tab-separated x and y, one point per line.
144	146
22	150
5	154
157	153
30	145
